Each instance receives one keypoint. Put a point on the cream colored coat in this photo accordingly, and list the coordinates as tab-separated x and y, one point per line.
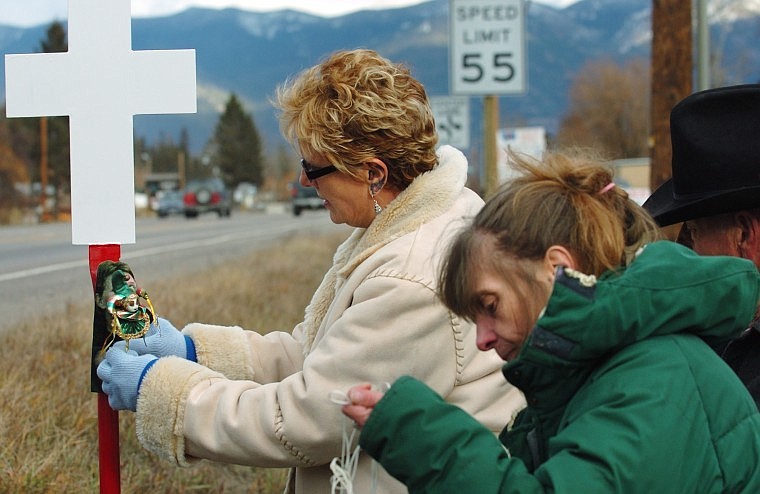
374	317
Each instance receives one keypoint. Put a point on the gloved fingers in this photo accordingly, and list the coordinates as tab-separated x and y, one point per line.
159	325
141	346
108	387
168	341
120	372
113	402
104	370
166	324
121	344
153	328
117	399
157	328
117	356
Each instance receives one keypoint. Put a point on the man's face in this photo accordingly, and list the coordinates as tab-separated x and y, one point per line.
715	235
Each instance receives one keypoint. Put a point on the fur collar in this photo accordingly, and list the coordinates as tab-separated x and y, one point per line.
427	197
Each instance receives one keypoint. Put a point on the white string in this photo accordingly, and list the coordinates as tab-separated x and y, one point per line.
344	468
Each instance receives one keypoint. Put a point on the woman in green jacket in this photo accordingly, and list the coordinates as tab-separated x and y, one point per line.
606	330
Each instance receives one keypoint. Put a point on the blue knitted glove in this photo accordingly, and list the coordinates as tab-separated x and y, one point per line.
122	374
162	342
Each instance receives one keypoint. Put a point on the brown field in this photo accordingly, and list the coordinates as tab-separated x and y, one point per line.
48	416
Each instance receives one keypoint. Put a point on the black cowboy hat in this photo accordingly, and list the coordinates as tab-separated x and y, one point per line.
715	136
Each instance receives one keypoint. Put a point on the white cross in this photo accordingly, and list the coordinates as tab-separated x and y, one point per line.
100	83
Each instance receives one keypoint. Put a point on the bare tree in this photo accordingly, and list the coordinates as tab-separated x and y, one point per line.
609	109
12	171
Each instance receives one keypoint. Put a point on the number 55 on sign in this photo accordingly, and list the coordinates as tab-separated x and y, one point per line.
487	47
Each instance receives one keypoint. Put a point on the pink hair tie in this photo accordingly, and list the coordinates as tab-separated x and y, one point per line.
607	187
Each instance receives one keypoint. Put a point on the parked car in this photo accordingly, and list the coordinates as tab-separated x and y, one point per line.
207	195
246	196
304	198
169	202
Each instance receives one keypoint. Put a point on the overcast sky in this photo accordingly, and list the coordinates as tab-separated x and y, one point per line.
33	12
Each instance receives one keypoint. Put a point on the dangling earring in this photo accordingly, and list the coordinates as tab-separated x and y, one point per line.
374	189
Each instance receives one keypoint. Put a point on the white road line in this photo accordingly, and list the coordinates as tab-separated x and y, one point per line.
163	249
43	270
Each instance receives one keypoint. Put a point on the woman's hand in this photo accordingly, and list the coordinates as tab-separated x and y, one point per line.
363	400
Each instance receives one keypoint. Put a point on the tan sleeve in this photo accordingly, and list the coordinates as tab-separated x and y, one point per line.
161	406
242	354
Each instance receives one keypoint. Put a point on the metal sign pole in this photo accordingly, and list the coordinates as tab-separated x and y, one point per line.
108	419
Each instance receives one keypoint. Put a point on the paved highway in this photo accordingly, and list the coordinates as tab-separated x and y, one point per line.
42	271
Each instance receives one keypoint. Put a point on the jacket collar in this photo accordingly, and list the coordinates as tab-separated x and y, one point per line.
667	289
427	197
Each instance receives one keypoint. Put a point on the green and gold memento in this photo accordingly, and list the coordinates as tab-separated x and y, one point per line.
128	309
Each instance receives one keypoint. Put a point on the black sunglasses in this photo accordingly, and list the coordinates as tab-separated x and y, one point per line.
314	172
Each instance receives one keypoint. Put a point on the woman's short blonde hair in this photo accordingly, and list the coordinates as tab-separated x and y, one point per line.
355	106
566	199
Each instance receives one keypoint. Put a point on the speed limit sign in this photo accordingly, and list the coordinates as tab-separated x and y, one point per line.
487	47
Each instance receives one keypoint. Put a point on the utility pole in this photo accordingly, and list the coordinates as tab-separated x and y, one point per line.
671	78
703	46
181	169
490	147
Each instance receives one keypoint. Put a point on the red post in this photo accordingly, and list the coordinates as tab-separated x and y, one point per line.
108	419
108	447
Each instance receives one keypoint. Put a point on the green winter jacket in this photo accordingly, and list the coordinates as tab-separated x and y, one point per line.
624	394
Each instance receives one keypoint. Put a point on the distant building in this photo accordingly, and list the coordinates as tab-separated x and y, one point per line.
633	175
160	181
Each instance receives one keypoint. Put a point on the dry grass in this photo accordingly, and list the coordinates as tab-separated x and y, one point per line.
48	417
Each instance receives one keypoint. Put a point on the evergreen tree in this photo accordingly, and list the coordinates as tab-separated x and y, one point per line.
165	155
55	42
237	152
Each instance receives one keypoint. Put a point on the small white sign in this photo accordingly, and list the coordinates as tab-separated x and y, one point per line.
525	140
452	120
487	47
100	83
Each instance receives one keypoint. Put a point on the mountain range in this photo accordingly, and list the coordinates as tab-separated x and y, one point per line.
249	53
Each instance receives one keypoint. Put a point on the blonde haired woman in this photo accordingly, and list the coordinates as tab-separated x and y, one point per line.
365	132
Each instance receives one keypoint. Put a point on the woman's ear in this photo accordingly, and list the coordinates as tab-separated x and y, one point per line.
377	172
377	176
557	255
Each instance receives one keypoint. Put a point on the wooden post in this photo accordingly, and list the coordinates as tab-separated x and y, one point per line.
671	77
181	169
490	127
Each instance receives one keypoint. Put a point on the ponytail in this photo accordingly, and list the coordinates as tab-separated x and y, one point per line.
567	199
